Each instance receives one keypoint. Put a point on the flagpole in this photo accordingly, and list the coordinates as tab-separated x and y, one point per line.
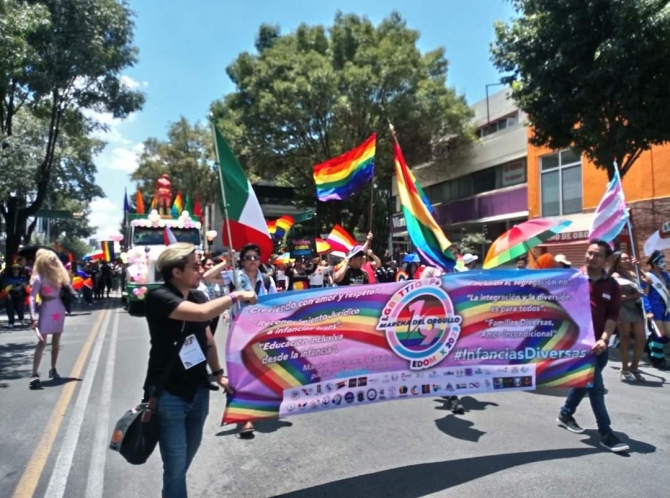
372	198
225	204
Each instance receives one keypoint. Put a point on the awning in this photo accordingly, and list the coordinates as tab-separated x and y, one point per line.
577	233
490	219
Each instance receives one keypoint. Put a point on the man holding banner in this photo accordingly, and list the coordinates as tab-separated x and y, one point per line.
605	305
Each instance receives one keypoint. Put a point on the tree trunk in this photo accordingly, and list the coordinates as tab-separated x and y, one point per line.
15	223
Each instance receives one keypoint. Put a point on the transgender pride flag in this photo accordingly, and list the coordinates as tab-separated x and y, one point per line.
612	214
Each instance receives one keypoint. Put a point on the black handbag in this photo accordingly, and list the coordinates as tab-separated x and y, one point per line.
137	432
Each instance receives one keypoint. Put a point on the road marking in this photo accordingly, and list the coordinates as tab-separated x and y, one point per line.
96	470
31	476
58	481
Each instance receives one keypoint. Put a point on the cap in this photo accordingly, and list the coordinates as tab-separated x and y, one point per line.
560	258
655	257
469	258
355	251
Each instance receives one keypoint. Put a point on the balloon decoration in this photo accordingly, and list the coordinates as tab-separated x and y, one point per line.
115	237
211	235
140	292
154	220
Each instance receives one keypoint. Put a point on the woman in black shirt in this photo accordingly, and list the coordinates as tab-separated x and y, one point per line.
177	313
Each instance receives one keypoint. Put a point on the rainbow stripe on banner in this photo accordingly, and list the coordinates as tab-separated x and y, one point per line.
107	250
338	178
480	331
430	243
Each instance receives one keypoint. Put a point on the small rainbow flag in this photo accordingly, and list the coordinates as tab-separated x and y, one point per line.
107	250
154	202
272	228
340	240
178	205
426	235
283	225
338	178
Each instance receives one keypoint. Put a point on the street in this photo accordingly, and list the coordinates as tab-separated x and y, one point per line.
53	442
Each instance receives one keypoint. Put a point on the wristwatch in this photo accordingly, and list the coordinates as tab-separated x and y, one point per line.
218	372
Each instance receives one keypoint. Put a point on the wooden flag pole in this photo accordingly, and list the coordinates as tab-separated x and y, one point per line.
372	200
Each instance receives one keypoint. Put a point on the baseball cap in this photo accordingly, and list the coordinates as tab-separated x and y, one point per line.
560	258
469	258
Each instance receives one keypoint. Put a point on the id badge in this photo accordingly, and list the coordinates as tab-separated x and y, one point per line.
190	353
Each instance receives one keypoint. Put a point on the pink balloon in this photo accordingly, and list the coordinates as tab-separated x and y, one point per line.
137	291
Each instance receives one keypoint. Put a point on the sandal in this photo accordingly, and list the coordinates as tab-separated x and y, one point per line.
627	376
246	432
638	375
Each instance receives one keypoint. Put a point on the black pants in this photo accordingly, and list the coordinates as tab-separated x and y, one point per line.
213	323
15	305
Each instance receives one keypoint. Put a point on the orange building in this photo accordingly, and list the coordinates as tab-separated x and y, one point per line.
568	186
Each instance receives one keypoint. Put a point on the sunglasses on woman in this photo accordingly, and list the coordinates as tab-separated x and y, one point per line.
251	257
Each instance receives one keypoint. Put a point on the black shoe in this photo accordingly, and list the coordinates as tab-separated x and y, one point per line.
34	381
569	422
456	406
613	443
53	374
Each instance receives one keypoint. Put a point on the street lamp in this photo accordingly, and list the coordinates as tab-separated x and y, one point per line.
488	112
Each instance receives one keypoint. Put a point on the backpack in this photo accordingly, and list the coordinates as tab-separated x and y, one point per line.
267	282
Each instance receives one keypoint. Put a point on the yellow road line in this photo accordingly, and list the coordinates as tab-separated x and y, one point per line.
31	476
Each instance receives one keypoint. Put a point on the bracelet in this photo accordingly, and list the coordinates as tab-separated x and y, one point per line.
233	297
218	372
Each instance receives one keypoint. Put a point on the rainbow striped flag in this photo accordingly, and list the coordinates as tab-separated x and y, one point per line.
430	242
272	228
338	178
177	206
340	240
107	250
611	215
154	202
283	225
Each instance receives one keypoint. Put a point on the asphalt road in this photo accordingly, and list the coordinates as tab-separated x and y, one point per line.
53	442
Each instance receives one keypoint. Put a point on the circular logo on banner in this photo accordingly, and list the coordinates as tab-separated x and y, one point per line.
420	323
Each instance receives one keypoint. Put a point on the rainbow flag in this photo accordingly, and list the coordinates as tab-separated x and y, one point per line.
340	240
338	178
139	202
272	228
154	202
283	225
611	215
178	205
107	250
426	235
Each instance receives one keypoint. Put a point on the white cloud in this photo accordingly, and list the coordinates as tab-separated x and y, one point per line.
124	158
132	84
106	216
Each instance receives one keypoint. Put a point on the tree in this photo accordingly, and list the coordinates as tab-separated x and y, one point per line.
57	58
590	74
313	94
186	156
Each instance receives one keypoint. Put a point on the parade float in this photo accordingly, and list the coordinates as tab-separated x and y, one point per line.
147	238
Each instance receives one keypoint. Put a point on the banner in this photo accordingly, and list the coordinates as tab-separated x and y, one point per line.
302	247
471	332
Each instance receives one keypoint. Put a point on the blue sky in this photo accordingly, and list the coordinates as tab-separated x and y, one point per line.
186	46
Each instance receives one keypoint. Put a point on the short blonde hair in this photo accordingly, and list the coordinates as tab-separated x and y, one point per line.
48	267
174	256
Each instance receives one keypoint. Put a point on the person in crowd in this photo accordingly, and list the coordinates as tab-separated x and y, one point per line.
298	276
105	279
605	307
372	262
469	261
658	292
87	291
176	312
631	316
49	278
15	283
211	288
522	262
351	270
250	278
562	261
281	277
321	275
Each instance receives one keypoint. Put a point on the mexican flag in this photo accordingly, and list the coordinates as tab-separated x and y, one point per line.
247	223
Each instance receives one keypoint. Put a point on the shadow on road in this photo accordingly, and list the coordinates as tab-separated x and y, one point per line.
461	428
424	479
262	427
55	383
16	360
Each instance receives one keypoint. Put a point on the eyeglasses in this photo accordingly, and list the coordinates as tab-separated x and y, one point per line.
251	257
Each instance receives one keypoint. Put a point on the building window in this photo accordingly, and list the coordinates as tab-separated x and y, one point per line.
498	125
561	183
484	180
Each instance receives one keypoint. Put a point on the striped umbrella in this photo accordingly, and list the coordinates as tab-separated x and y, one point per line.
521	238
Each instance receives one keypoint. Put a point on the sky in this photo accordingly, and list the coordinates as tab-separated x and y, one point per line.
184	48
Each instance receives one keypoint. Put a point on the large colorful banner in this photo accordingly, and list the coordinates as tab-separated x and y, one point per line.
472	332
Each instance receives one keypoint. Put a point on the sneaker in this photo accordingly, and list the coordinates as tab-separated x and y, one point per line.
627	376
34	381
11	325
569	422
456	406
613	443
53	374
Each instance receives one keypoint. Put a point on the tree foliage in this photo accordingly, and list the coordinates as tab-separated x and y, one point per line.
591	74
313	94
57	58
186	156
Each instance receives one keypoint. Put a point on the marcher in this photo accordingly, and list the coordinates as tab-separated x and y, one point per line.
605	307
522	262
176	312
15	283
562	261
350	271
659	302
49	278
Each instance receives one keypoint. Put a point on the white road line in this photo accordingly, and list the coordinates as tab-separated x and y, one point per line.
58	481
96	470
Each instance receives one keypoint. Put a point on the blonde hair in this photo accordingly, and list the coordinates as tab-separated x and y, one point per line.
174	256
48	267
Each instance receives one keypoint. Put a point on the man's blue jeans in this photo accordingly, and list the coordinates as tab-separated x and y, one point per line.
181	425
596	396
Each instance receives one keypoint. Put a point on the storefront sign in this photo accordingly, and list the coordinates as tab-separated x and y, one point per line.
514	173
398	223
565	237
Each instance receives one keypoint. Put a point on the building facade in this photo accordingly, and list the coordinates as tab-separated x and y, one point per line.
485	190
566	185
